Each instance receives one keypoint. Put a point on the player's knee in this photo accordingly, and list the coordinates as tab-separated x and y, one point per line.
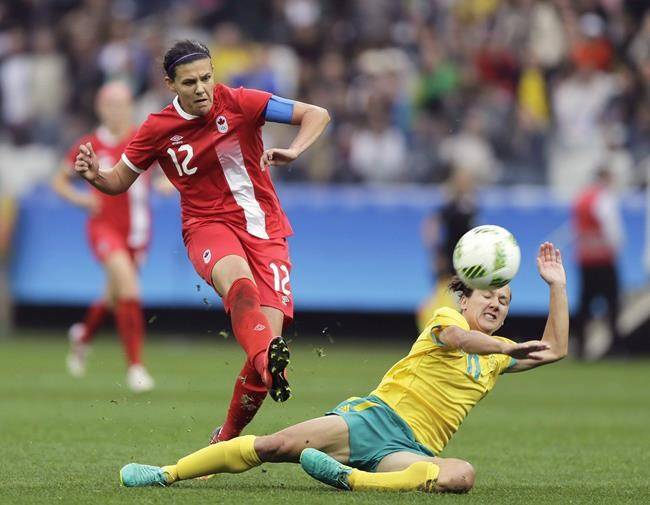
128	291
456	476
124	277
275	448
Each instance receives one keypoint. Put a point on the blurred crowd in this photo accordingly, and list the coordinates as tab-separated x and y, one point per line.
518	91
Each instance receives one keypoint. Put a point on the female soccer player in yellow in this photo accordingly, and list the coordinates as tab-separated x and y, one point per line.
389	439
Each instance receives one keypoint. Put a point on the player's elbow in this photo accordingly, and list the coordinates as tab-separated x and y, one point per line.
323	114
554	356
326	115
560	355
560	352
57	186
112	191
452	336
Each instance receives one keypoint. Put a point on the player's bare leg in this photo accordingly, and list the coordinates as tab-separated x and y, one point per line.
123	274
400	471
328	433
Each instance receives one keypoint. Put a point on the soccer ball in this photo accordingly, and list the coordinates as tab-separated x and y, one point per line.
486	257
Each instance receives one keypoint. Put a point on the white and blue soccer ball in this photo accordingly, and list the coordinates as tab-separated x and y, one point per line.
487	257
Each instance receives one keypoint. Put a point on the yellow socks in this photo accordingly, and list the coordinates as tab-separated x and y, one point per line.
234	456
419	476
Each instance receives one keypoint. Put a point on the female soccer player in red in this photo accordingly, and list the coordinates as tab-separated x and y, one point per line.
209	144
118	233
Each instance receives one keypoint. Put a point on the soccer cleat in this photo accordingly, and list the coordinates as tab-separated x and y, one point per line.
136	475
139	380
325	468
76	359
275	376
214	437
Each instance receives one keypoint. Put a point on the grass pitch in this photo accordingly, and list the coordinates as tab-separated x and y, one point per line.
569	433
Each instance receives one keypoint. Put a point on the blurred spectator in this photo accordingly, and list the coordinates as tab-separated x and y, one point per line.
15	80
546	78
579	101
592	49
470	151
231	54
377	149
639	48
599	234
547	40
49	92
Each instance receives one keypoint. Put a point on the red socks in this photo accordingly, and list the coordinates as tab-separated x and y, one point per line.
95	316
253	332
130	326
246	400
250	326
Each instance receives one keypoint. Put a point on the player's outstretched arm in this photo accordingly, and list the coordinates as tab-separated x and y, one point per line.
556	331
476	342
112	182
312	120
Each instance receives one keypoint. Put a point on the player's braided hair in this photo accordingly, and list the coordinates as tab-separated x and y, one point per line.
456	286
182	52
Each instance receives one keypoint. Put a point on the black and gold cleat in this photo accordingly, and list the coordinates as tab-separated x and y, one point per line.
277	356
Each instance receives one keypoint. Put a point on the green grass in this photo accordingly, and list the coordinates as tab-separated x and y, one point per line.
570	433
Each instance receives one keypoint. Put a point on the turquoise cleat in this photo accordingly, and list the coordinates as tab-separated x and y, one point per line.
136	475
325	469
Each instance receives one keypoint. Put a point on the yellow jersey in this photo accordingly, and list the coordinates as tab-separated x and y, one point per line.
433	388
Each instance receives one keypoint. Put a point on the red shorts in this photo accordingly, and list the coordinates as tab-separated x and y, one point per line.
104	240
268	260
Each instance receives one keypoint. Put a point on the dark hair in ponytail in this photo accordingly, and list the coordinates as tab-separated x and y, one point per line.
182	52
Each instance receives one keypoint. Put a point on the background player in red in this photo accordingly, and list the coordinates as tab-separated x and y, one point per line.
118	232
209	144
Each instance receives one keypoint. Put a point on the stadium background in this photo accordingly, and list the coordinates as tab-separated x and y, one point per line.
528	95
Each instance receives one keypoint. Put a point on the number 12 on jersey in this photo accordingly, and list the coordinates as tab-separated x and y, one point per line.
183	167
280	278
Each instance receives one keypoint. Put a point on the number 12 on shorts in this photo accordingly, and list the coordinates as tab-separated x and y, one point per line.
280	278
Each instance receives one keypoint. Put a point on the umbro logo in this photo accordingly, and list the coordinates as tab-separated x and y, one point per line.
259	327
176	138
207	255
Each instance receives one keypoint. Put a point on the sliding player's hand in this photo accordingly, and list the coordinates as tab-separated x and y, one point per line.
527	350
273	157
86	164
549	264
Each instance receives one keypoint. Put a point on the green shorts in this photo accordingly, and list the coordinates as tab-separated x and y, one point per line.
375	432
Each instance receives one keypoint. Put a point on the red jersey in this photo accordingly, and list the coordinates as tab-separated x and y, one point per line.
127	213
213	161
592	246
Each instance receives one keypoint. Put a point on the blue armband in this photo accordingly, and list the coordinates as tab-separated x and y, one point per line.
279	110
